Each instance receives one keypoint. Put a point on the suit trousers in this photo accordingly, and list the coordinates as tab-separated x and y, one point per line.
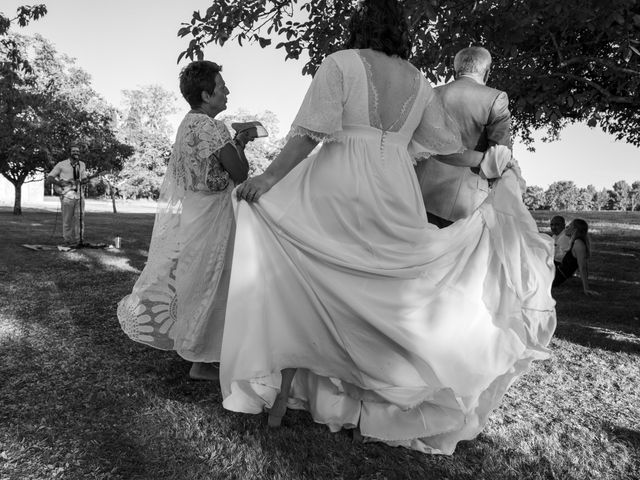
70	208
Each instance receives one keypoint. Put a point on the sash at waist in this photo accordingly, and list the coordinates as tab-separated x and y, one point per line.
371	133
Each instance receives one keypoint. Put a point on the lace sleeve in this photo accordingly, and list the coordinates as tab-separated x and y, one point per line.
438	133
320	115
198	140
209	140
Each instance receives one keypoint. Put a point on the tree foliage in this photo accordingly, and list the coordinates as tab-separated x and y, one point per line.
261	151
560	62
533	197
145	126
44	108
562	195
11	55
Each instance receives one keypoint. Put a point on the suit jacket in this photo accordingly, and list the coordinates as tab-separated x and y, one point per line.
482	114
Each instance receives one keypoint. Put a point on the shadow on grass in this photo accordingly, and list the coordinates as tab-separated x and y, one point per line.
114	409
595	337
627	435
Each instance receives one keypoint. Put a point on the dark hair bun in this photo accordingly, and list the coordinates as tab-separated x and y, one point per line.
380	25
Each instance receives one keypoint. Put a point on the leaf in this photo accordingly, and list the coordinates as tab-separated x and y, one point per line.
184	31
264	42
592	122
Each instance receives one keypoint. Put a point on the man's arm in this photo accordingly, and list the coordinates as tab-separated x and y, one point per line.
498	131
52	176
499	124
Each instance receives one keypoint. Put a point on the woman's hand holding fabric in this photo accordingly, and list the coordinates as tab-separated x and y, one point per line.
253	188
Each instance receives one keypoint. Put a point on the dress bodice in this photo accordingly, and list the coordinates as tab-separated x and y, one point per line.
195	158
371	90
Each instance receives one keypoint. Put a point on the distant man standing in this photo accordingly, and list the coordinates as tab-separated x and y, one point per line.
67	177
482	114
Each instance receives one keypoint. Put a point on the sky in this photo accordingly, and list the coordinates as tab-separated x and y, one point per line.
124	45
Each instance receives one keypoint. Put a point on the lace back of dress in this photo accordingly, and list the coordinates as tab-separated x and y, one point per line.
393	87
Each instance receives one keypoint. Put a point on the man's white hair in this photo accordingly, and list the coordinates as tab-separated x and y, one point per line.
472	60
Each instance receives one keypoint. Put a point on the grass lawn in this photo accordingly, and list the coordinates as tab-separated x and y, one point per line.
79	400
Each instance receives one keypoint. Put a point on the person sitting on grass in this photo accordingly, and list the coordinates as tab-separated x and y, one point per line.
561	242
577	256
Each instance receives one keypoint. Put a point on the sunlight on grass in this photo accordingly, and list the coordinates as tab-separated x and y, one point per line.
613	280
117	263
610	225
10	329
100	259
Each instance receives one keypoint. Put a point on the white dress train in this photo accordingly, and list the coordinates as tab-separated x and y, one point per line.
410	332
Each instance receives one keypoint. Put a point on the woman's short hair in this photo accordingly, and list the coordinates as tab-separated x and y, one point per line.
380	25
197	77
472	60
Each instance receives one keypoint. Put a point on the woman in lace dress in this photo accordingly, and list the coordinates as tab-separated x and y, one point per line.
179	300
344	300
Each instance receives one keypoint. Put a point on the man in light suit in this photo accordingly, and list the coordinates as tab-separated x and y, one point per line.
482	114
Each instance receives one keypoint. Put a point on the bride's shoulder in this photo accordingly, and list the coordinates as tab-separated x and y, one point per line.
343	56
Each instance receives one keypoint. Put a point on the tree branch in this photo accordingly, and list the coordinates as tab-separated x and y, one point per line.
601	61
610	97
555	44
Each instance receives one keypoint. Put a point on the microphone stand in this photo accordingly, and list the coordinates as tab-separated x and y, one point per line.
81	243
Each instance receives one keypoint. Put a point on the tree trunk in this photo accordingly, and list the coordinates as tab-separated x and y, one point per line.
17	208
113	200
112	194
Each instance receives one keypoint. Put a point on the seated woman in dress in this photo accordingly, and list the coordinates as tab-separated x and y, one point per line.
576	257
179	301
344	300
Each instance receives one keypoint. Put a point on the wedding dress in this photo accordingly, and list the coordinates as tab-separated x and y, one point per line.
409	332
178	302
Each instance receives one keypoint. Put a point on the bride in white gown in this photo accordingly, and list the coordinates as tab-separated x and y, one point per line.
344	300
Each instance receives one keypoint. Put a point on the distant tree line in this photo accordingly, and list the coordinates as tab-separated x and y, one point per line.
565	195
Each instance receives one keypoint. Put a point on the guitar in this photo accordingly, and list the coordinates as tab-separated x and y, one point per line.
69	185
